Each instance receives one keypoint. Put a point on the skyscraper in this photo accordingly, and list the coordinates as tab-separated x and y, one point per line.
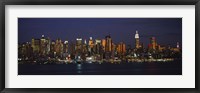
97	46
108	47
58	47
153	42
91	43
48	45
137	42
52	47
85	42
35	44
42	45
66	46
78	44
84	48
121	48
72	49
103	43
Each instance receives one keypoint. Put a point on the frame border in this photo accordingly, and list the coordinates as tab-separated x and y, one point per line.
3	3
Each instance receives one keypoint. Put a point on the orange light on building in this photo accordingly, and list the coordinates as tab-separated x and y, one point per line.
121	48
91	43
108	47
137	41
103	43
153	42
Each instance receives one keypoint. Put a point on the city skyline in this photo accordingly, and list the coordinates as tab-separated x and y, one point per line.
167	31
83	41
96	49
100	46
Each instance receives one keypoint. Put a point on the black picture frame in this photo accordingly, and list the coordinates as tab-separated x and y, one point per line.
3	3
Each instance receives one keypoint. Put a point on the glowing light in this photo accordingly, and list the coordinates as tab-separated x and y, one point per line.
136	35
78	38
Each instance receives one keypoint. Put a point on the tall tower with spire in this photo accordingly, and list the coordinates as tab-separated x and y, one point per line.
137	41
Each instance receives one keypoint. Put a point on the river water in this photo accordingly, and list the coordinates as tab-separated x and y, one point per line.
133	68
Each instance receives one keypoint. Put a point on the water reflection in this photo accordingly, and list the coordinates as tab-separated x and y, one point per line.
79	68
153	68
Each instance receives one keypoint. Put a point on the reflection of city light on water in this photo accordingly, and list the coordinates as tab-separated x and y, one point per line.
79	67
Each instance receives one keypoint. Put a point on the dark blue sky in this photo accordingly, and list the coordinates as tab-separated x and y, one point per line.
166	30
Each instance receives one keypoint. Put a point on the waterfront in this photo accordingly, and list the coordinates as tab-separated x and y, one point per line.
99	46
123	68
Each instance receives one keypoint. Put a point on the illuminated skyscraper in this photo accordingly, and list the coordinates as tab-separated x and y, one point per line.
66	46
72	49
153	42
52	47
42	45
58	47
85	42
91	46
121	48
28	49
97	41
113	49
35	44
137	42
103	43
48	45
97	46
78	44
65	50
91	43
108	46
84	48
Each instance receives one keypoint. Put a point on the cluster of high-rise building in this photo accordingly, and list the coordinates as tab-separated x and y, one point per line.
94	49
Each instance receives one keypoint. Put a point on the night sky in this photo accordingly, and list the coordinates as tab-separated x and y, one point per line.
167	31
